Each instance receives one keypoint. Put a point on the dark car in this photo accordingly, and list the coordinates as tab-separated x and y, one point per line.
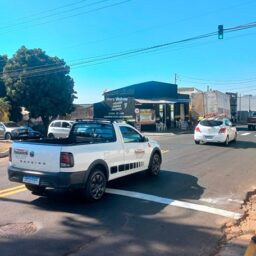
11	130
32	134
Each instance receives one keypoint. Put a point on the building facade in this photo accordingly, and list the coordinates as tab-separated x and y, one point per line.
145	105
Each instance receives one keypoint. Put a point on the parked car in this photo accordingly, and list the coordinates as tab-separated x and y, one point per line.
59	128
11	130
251	121
94	153
32	134
215	129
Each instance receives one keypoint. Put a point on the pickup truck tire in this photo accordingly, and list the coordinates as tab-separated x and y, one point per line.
36	190
155	164
95	185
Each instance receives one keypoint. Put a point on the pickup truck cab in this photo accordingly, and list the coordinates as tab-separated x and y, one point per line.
94	153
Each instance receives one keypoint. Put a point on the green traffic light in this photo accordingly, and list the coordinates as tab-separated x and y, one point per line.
220	32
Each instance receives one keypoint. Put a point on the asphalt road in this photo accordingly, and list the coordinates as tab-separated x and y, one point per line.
63	224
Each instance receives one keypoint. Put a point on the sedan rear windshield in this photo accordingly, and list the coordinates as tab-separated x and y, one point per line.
11	124
211	123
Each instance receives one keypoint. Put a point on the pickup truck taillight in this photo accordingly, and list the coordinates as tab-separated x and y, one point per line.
10	154
66	160
222	130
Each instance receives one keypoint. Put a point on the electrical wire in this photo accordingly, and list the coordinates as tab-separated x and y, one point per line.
86	61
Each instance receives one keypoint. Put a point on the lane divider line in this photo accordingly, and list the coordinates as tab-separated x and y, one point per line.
13	192
244	134
171	202
11	189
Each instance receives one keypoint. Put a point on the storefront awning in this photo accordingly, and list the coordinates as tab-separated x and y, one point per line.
172	101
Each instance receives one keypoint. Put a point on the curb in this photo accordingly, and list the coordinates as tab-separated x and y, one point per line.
158	134
4	154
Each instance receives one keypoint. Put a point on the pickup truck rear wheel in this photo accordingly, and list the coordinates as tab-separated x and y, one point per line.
154	166
36	190
95	185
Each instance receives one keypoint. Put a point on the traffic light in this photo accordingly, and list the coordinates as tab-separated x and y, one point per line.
220	32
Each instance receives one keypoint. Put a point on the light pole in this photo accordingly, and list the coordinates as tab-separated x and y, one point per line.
249	103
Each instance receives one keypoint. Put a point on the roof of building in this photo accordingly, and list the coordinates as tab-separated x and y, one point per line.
149	83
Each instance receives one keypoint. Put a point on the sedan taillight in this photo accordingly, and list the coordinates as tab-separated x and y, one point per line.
66	160
197	129
222	130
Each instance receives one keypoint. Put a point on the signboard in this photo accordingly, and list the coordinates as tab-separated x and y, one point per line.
137	111
146	116
120	108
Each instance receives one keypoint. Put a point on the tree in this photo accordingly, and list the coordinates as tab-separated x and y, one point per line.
4	104
39	83
3	61
4	109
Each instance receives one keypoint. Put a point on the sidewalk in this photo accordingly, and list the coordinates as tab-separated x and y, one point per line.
169	132
4	148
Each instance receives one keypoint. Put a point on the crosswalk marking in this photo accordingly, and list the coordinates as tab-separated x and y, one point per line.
244	134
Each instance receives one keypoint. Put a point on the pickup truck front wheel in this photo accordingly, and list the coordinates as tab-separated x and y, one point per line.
36	190
95	185
154	166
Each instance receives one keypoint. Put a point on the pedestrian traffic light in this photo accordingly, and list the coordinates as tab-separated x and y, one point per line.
220	32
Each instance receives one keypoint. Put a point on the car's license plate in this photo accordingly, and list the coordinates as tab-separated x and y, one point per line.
208	137
31	180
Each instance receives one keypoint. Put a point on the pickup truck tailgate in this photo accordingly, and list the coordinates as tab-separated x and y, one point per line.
36	157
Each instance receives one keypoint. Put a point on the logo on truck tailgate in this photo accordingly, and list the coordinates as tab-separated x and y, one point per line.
18	151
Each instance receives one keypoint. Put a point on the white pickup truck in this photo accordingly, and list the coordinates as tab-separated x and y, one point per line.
94	153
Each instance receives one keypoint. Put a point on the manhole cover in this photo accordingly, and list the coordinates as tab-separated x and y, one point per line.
17	229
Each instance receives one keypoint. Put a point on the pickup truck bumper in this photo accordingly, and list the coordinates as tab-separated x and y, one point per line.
63	180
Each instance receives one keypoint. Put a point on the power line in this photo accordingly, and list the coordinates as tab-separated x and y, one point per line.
54	14
76	14
96	59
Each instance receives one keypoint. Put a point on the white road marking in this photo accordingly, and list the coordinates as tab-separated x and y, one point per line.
244	134
221	200
171	202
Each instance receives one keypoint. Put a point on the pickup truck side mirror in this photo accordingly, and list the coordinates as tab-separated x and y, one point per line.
144	139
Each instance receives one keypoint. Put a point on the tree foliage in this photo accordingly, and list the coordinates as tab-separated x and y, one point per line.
39	83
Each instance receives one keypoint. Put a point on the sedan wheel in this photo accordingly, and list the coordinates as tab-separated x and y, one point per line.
8	136
226	143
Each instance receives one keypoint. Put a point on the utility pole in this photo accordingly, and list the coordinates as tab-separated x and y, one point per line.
175	78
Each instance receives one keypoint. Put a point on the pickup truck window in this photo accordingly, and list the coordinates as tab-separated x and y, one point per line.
130	135
93	133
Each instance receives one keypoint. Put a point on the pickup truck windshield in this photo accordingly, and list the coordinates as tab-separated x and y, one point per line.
92	133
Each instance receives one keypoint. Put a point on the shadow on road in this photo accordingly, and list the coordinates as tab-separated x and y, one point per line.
174	185
239	144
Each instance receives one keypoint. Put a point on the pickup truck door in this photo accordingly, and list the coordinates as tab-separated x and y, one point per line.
136	150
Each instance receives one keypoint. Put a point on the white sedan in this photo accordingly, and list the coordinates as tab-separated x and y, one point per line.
217	130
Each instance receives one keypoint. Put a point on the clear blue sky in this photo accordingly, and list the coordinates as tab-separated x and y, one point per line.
79	29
